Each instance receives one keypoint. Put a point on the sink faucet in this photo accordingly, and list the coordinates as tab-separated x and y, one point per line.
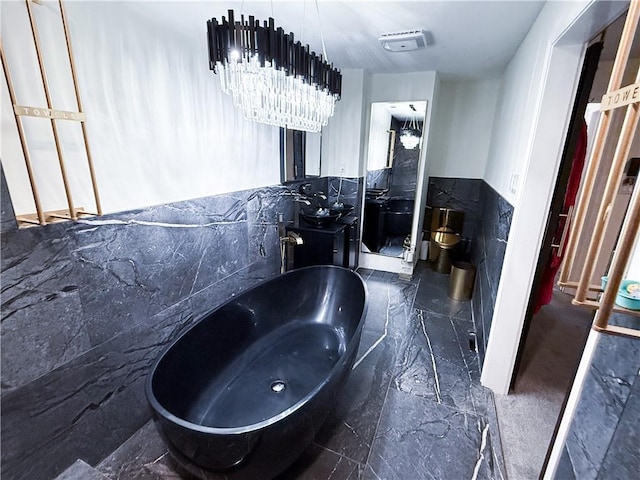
287	242
298	197
292	238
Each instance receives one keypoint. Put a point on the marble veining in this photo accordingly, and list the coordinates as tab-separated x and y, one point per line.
376	430
603	437
433	358
416	438
459	194
378	178
126	284
350	191
87	305
7	217
489	248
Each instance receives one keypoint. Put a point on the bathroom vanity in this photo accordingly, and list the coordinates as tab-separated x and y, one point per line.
335	244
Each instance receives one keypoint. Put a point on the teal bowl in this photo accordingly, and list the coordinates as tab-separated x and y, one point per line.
629	298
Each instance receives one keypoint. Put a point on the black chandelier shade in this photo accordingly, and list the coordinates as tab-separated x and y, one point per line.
240	41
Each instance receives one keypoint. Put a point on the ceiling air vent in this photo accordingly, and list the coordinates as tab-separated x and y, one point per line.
403	41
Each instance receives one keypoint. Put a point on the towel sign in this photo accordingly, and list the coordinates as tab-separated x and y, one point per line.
48	113
621	97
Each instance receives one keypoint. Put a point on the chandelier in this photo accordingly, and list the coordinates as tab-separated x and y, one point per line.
270	77
410	133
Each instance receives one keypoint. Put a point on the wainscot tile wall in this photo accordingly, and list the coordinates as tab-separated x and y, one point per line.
346	190
87	306
604	437
486	225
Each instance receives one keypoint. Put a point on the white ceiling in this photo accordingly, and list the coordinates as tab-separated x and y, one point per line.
471	39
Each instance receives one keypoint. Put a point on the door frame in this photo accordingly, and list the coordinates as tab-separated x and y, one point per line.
562	68
587	76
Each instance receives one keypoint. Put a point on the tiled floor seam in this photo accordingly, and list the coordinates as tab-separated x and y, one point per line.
341	455
384	402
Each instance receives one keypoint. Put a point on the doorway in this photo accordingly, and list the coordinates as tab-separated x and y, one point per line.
554	335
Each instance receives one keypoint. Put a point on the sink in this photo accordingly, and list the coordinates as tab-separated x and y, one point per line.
320	217
343	209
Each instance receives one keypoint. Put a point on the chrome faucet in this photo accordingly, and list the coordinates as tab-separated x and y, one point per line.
298	197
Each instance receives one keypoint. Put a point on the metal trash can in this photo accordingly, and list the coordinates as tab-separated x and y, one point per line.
463	275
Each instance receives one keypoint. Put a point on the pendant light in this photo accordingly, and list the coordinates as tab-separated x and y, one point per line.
271	78
410	134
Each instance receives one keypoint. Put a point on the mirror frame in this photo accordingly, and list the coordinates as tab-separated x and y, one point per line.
294	151
388	263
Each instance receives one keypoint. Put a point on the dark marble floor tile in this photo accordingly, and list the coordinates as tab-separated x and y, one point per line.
81	471
433	294
350	428
373	345
623	456
318	463
434	362
389	305
131	460
419	439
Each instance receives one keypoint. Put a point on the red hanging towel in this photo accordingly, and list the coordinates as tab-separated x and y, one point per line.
577	165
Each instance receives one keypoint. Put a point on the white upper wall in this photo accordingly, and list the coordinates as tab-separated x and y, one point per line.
160	128
342	152
462	127
515	115
405	87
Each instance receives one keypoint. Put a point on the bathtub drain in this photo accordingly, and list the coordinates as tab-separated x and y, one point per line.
278	386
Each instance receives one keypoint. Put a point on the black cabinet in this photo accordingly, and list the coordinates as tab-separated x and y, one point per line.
352	248
373	235
335	244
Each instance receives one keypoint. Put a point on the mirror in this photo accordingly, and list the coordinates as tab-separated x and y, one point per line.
299	154
395	141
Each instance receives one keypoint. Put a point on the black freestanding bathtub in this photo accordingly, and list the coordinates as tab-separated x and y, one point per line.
242	392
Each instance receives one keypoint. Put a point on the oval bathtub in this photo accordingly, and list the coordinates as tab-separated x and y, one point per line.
242	392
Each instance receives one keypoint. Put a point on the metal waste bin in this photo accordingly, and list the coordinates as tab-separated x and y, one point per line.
463	275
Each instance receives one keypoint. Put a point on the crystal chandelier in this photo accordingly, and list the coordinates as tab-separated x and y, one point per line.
271	78
410	134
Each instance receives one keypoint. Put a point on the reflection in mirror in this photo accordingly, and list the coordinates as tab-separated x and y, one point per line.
395	140
299	155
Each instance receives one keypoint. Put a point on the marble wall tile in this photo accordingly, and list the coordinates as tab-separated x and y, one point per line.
459	194
350	191
488	255
43	325
7	217
153	261
378	178
601	407
87	306
87	407
487	223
